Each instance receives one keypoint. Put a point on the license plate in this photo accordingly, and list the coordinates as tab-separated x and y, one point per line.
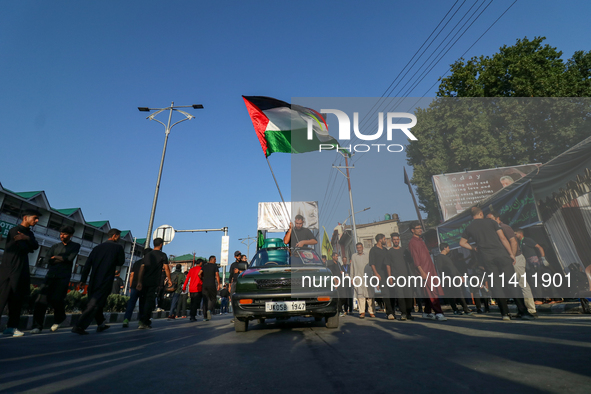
286	306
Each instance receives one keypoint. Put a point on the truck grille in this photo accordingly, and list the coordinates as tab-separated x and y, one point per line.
278	283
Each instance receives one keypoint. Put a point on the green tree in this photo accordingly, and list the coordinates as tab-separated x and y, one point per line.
456	134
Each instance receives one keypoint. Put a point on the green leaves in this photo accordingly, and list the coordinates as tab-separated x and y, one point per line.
475	133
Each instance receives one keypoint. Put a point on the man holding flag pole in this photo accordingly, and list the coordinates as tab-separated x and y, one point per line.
284	127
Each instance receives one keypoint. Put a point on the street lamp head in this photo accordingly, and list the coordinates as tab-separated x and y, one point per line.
197	106
144	109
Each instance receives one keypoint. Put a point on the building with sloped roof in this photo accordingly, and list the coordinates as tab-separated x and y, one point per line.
87	234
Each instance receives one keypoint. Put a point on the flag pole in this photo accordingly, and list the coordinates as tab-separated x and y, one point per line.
281	195
407	181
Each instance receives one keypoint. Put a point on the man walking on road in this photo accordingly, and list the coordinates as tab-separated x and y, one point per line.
495	252
15	278
519	266
211	285
359	262
149	279
54	290
399	267
378	260
178	279
422	260
134	293
103	261
195	288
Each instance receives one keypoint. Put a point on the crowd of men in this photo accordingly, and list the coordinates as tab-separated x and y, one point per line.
201	283
500	251
496	249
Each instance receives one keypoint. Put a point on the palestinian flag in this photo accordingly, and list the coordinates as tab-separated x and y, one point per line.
283	127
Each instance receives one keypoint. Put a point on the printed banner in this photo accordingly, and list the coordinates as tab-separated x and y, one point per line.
459	191
272	215
517	209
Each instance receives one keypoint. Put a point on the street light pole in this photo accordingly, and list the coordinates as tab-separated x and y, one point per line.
249	240
168	127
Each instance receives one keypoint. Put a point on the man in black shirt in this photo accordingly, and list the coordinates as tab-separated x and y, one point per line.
234	271
117	284
495	253
211	285
453	293
303	237
148	281
134	294
14	270
529	246
378	260
398	267
54	290
103	261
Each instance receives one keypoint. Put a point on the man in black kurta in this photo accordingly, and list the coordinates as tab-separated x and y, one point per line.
401	289
103	261
14	270
61	258
378	260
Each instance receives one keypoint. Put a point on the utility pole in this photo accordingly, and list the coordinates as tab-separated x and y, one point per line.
350	194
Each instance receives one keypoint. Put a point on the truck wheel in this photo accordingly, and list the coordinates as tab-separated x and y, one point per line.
240	325
332	321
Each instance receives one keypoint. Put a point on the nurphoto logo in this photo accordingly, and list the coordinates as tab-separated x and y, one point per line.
345	131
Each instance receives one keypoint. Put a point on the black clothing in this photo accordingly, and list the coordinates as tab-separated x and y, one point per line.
135	270
302	234
335	268
234	276
117	283
509	233
209	279
153	263
400	267
447	269
62	269
148	300
103	261
484	233
52	292
224	293
196	299
14	273
528	246
209	299
378	258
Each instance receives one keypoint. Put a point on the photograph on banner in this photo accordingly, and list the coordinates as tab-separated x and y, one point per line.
362	146
459	191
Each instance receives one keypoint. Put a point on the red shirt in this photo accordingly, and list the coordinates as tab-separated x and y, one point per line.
196	283
422	258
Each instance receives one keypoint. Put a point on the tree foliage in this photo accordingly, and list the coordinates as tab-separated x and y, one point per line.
467	128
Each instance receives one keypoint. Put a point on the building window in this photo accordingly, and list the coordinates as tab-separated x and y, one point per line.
88	235
11	207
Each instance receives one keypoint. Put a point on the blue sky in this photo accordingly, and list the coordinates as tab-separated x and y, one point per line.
73	74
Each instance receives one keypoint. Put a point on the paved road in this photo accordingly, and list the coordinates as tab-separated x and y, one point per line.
462	355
